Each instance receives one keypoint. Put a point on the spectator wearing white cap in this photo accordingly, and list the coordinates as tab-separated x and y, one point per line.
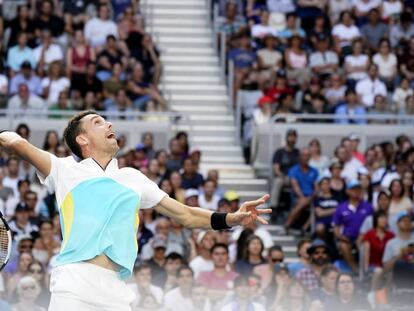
202	262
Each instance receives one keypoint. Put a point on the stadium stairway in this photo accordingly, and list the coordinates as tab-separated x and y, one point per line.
192	78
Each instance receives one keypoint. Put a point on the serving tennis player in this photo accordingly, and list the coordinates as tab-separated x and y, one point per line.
98	206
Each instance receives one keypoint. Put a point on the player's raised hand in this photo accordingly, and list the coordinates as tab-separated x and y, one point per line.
249	213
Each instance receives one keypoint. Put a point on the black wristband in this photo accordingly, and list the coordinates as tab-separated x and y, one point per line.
218	221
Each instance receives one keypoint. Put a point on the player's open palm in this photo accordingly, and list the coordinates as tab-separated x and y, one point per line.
249	212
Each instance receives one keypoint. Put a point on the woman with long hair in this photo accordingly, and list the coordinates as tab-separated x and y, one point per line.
347	296
166	186
317	159
374	243
296	60
252	256
399	202
364	179
337	183
179	192
408	182
51	141
22	23
45	245
37	271
25	259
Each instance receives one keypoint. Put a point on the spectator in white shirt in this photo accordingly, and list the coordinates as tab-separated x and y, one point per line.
281	6
357	63
203	262
23	100
47	52
345	32
371	86
323	61
55	83
208	199
99	28
386	62
263	29
179	298
361	8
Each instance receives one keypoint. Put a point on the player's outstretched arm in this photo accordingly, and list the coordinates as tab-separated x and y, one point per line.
14	143
195	217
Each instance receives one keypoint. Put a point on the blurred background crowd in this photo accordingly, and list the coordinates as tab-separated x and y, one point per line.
351	212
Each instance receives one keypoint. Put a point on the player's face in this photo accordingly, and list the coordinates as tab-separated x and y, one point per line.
99	134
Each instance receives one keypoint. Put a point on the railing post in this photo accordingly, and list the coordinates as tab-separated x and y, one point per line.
230	85
238	119
223	54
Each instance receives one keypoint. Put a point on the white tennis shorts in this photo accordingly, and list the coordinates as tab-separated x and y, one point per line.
87	287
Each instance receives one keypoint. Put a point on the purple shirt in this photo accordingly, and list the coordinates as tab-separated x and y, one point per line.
351	221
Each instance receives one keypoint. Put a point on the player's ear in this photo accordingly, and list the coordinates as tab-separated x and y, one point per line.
81	140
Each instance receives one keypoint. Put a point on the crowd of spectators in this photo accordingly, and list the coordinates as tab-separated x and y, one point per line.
349	58
77	55
358	204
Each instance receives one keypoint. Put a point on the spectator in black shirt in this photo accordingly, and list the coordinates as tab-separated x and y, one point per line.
90	83
108	57
47	20
148	56
21	23
283	159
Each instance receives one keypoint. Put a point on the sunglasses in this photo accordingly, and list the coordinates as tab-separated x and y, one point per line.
274	260
27	287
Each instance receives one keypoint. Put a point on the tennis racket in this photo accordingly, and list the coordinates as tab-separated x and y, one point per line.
5	242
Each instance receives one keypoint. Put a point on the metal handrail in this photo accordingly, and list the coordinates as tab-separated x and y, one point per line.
334	117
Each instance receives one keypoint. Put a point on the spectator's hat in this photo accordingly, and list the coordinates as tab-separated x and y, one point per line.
402	215
352	184
317	243
200	236
191	193
281	266
195	149
159	241
354	136
21	207
291	131
264	100
26	65
231	195
140	147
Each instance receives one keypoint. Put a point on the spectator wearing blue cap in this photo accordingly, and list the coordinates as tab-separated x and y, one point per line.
399	253
348	219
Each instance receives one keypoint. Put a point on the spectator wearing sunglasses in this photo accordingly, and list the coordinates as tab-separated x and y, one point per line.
37	272
275	255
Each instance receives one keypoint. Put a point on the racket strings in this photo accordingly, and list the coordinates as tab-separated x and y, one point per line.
4	243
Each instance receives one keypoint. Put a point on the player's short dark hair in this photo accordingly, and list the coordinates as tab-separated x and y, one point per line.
73	129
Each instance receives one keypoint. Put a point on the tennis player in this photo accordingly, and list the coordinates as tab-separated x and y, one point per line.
98	205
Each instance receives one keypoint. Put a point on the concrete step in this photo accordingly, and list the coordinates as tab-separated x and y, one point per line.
191	71
190	60
214	141
230	151
196	98
227	167
180	31
222	159
194	51
206	89
183	42
215	120
179	12
182	23
207	110
246	184
179	4
199	80
206	130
